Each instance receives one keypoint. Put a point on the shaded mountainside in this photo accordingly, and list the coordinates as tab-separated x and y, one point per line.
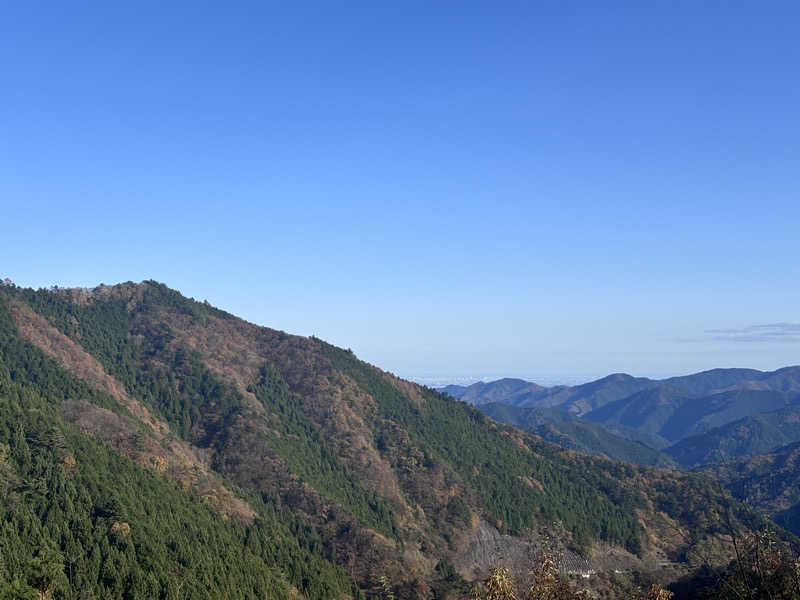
308	469
758	434
646	411
525	418
569	431
668	413
770	483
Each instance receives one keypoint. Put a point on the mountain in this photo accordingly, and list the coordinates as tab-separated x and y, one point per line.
646	411
757	434
713	380
576	399
588	397
508	391
565	429
99	496
156	446
669	413
594	439
525	418
770	483
786	379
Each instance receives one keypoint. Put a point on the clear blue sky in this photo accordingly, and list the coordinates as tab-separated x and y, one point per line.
549	189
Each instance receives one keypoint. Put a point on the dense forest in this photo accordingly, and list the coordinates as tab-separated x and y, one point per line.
78	519
155	446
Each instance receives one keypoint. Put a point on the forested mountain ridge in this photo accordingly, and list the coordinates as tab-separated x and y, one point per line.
567	430
667	413
577	399
587	397
292	450
769	482
762	433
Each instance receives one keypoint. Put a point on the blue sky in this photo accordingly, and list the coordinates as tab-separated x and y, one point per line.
454	189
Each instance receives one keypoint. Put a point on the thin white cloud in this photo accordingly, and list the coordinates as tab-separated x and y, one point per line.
769	332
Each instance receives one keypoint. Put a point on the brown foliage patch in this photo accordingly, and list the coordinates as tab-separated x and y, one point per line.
159	451
251	463
169	457
37	330
236	350
409	389
121	529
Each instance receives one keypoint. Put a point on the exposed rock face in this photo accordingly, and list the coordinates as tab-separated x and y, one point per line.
486	546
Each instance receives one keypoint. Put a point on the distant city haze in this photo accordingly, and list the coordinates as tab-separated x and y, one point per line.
453	190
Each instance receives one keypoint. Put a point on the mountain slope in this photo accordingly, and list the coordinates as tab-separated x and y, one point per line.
769	482
594	439
668	412
565	429
646	411
386	478
525	418
757	434
76	514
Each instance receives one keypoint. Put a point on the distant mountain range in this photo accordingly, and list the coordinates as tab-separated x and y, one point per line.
662	413
584	398
578	399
